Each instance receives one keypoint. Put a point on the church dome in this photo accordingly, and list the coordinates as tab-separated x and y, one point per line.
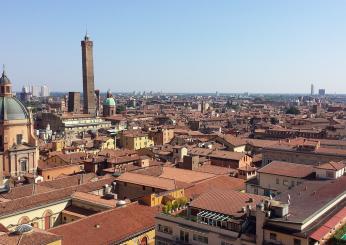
12	109
109	102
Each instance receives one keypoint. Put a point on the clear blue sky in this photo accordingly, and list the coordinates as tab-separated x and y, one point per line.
178	45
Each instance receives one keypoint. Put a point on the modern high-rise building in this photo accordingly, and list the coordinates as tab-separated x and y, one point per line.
89	105
74	102
44	91
35	90
321	92
312	92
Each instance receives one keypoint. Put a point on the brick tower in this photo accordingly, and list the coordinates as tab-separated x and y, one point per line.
89	106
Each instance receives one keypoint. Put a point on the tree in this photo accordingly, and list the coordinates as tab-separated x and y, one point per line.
169	206
120	109
293	110
175	205
274	120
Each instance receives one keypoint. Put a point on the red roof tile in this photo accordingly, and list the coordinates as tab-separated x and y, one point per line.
108	227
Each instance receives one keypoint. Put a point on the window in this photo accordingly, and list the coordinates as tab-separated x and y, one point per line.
153	189
272	236
143	187
330	174
23	165
184	236
277	181
19	139
165	229
285	182
255	191
200	238
296	241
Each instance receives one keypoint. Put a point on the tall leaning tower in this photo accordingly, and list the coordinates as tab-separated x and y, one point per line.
88	76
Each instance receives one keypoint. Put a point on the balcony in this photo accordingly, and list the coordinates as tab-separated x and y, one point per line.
192	223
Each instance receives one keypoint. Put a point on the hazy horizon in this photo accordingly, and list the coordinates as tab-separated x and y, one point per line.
178	46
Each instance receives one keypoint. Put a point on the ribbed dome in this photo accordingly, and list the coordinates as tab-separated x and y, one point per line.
109	102
12	109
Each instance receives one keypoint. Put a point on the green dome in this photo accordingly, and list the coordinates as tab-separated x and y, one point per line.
109	102
12	109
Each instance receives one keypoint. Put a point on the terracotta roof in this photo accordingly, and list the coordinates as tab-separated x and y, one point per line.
68	181
38	200
329	226
95	199
217	154
116	225
184	175
37	236
311	197
25	190
213	169
332	166
218	182
232	140
147	180
227	202
287	169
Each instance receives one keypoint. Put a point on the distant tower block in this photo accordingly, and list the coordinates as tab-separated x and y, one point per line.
74	102
312	92
89	105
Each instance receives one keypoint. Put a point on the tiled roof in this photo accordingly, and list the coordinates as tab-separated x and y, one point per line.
184	175
37	236
311	197
108	227
38	200
287	169
147	180
329	226
213	169
227	202
68	181
332	166
217	154
91	198
25	190
218	182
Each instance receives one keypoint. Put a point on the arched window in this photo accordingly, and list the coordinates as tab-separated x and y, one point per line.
144	241
23	220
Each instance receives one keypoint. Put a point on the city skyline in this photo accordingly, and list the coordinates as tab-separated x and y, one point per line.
179	47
